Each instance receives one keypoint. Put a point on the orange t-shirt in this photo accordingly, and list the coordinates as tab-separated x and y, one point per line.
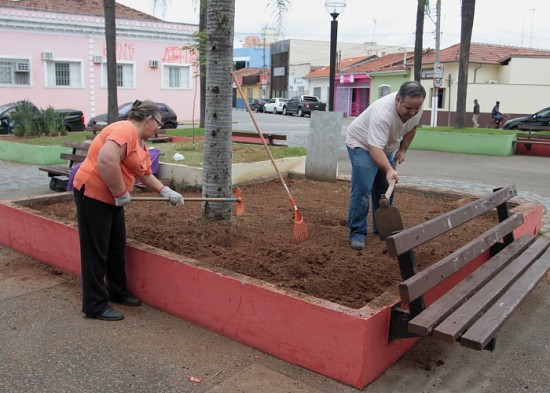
136	164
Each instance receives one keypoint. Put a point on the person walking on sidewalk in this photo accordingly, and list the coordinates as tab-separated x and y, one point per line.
476	114
375	140
116	158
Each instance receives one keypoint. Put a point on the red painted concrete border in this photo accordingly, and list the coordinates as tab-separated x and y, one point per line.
533	149
344	344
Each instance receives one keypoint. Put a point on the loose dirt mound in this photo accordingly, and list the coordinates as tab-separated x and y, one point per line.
259	243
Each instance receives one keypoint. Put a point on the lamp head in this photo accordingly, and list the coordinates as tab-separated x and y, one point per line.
335	8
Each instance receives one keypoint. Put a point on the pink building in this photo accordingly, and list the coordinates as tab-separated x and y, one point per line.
53	53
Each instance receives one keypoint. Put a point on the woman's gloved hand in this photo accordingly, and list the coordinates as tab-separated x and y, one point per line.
174	198
123	200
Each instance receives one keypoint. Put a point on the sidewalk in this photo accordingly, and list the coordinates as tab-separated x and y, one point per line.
47	346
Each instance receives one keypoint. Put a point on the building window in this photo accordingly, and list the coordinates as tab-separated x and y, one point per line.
383	90
63	74
124	75
15	72
317	92
177	77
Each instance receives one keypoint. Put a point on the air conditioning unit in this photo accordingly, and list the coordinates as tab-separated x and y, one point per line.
492	82
153	63
47	55
22	66
98	59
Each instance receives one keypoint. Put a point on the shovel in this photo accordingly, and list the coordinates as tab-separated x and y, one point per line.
387	217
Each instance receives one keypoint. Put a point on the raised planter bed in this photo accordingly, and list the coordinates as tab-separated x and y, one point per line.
455	142
348	345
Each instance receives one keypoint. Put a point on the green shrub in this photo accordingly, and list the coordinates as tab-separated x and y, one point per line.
26	119
52	122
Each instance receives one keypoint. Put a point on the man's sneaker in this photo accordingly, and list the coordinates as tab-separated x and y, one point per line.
357	244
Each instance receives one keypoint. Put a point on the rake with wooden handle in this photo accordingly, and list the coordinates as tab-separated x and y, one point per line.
301	231
239	207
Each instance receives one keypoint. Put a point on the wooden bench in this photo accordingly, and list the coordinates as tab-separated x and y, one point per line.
474	309
254	138
78	154
527	140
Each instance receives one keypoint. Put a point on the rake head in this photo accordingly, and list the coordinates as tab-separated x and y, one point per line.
301	232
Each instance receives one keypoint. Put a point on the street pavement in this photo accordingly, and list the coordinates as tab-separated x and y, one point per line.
47	346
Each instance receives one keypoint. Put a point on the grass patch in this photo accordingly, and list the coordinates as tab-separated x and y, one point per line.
242	153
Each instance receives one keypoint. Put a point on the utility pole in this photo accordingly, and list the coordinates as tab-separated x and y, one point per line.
264	81
437	66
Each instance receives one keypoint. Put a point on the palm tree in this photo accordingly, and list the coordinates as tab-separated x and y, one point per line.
467	23
421	9
216	179
110	43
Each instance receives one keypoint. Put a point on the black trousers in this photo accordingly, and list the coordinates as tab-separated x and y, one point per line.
102	234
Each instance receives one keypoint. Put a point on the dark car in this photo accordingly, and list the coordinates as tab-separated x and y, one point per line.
540	118
169	117
257	105
73	119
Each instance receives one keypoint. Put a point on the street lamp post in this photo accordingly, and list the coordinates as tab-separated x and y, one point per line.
334	8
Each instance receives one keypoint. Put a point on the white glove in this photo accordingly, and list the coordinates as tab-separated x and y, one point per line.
174	197
123	200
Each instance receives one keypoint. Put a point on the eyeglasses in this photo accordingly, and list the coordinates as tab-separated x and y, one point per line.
159	124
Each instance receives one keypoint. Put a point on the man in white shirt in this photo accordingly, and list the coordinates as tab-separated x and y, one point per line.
375	140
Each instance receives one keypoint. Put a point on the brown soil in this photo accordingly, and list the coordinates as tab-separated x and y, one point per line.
260	243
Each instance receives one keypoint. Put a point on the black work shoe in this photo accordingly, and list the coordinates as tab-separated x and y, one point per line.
129	300
109	314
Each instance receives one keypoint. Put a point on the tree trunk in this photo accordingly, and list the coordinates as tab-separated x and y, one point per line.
216	179
418	39
110	43
467	24
202	69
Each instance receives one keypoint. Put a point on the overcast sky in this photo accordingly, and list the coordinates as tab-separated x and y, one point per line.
392	22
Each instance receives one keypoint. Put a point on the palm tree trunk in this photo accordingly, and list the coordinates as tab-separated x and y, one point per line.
418	39
110	42
220	16
467	23
202	69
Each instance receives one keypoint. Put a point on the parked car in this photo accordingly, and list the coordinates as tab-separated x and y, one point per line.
303	105
73	118
169	117
275	105
540	118
257	105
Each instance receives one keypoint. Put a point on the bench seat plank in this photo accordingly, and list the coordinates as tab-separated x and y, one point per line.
426	279
424	323
56	170
462	318
410	238
485	328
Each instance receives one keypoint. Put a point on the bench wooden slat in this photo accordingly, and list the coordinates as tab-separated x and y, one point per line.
56	170
463	317
424	323
422	233
530	142
72	157
77	145
485	328
426	279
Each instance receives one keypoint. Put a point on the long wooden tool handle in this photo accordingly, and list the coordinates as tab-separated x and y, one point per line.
262	138
389	191
187	199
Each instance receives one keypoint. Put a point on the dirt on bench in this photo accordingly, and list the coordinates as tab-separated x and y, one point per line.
260	243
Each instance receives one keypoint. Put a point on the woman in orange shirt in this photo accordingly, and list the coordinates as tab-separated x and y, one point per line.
116	158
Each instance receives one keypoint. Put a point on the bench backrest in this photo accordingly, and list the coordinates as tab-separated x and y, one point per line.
80	150
415	284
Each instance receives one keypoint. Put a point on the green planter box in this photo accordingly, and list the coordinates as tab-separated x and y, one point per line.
491	145
31	154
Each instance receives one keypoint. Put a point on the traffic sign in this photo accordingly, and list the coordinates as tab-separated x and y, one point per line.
438	70
438	82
